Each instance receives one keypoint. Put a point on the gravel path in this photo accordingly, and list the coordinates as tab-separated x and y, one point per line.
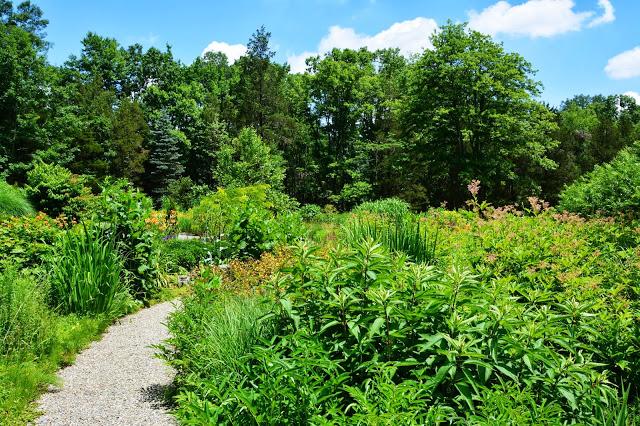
117	380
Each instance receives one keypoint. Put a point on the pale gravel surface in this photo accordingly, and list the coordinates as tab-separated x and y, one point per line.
117	380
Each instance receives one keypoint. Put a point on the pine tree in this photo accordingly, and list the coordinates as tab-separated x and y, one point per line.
164	164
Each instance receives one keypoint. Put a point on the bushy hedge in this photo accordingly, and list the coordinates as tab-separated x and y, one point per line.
310	212
609	190
27	241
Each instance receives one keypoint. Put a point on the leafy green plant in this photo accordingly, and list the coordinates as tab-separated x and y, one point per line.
310	212
186	255
13	202
56	191
26	241
215	330
509	326
609	190
243	221
183	193
87	274
247	160
122	212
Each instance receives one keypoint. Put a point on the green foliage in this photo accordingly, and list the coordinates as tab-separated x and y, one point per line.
122	212
357	125
183	193
23	379
310	212
186	255
13	202
465	112
214	332
164	163
25	320
26	241
243	221
609	190
87	274
353	193
591	131
525	319
404	234
389	207
129	131
55	190
247	160
22	85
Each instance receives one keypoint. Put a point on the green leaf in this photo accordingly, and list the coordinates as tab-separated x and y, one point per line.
375	327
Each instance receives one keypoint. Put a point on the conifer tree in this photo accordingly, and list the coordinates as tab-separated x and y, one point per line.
164	164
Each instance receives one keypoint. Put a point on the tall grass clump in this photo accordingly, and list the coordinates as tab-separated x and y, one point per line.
13	202
388	207
222	328
25	320
404	234
215	331
87	276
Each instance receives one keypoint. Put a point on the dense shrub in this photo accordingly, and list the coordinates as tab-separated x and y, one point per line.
56	191
26	324
87	274
610	189
390	207
186	255
122	211
310	212
248	160
27	241
244	222
183	193
13	202
524	320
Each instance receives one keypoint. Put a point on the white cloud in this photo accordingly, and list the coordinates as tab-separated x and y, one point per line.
634	95
297	62
607	16
537	18
233	51
410	36
624	65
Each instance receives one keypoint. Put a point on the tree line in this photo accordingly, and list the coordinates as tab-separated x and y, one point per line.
357	125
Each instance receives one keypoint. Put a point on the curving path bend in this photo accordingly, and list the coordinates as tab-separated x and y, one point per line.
117	380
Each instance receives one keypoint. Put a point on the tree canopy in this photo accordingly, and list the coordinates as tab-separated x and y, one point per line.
357	125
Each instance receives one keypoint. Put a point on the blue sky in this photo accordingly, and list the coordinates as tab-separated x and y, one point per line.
578	46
